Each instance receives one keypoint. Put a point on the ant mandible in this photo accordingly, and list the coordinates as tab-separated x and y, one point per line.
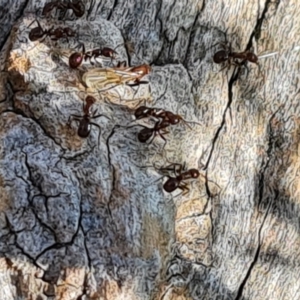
85	123
38	33
231	58
77	7
75	60
178	182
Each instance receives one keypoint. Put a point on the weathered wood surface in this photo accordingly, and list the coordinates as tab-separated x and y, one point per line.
80	221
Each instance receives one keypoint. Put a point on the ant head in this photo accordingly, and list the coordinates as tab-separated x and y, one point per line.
252	57
75	60
89	100
147	69
175	119
69	31
145	134
140	112
220	56
194	173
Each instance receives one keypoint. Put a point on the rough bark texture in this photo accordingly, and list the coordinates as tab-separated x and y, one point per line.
82	220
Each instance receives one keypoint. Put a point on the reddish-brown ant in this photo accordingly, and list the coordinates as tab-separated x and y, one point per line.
85	124
75	60
181	175
234	58
77	7
58	33
144	112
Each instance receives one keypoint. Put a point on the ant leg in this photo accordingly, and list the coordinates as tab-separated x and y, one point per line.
226	66
184	187
83	48
98	116
99	132
186	123
38	23
162	136
137	83
121	64
90	59
154	135
35	20
172	167
73	118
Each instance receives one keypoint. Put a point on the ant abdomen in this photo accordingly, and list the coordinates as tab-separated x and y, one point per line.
84	128
75	60
220	56
145	134
171	185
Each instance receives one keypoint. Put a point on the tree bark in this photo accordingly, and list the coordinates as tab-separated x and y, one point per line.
87	218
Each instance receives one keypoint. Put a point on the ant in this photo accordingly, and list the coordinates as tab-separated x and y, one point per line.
144	112
226	55
84	128
181	175
58	33
75	60
77	7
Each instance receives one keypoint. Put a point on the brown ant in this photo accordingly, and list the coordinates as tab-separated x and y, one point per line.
77	7
144	112
232	58
181	175
58	33
75	60
84	128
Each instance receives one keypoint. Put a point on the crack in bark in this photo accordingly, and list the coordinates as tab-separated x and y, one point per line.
191	37
264	165
257	29
62	245
89	11
112	10
16	244
254	261
113	172
22	9
233	78
21	113
260	197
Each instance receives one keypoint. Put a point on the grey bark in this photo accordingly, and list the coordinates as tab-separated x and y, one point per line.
80	220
